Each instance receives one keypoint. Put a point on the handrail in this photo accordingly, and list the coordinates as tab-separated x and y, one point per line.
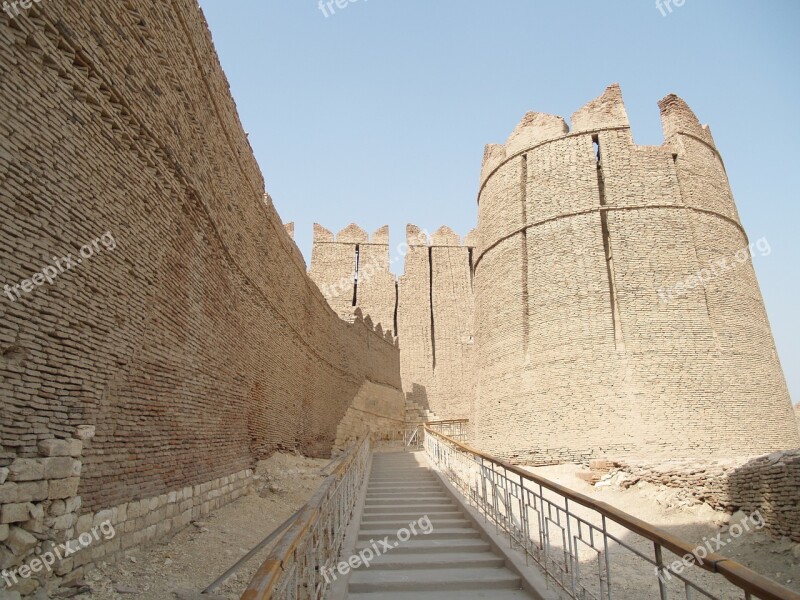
322	521
736	573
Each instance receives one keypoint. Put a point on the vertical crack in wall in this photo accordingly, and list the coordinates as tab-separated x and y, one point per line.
471	270
430	295
396	303
619	341
523	190
355	277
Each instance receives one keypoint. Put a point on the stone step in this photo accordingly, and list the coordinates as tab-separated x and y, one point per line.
410	493
413	501
394	487
432	580
460	595
412	516
397	524
441	560
442	533
427	546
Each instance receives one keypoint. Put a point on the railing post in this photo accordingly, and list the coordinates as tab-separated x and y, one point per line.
662	586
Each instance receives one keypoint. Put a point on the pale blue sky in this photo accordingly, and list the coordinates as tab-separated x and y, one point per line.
379	113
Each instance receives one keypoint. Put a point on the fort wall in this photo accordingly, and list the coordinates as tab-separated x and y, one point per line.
195	344
617	310
430	306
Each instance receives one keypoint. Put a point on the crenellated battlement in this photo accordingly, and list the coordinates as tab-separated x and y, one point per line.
677	118
442	237
604	113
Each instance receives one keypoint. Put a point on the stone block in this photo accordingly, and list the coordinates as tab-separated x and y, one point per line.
7	558
4	530
65	566
36	510
84	523
75	448
14	513
20	541
102	516
54	447
26	469
8	492
74	504
3	475
35	526
134	510
58	508
63	488
61	523
32	491
58	467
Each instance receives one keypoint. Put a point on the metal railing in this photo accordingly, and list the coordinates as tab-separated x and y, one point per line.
588	548
295	566
453	428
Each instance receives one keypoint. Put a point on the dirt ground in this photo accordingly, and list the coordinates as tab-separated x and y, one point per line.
183	566
666	508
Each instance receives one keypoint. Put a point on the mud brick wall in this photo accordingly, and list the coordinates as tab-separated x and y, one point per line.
435	322
376	410
352	270
197	344
575	346
765	484
431	306
41	514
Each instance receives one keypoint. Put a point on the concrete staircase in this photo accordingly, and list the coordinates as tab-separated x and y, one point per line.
451	562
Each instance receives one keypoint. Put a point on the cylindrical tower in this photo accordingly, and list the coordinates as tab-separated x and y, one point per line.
617	309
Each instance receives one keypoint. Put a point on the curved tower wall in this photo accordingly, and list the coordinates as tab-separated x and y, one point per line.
582	341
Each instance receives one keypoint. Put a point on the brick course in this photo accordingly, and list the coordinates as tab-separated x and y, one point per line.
199	344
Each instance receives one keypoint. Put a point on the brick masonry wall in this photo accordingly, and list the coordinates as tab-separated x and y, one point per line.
197	344
352	256
765	484
577	233
433	302
42	514
377	410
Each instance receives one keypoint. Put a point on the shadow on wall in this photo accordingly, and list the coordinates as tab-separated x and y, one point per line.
419	394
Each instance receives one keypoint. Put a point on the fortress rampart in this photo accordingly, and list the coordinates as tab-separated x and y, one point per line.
599	309
198	344
579	230
606	304
430	306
